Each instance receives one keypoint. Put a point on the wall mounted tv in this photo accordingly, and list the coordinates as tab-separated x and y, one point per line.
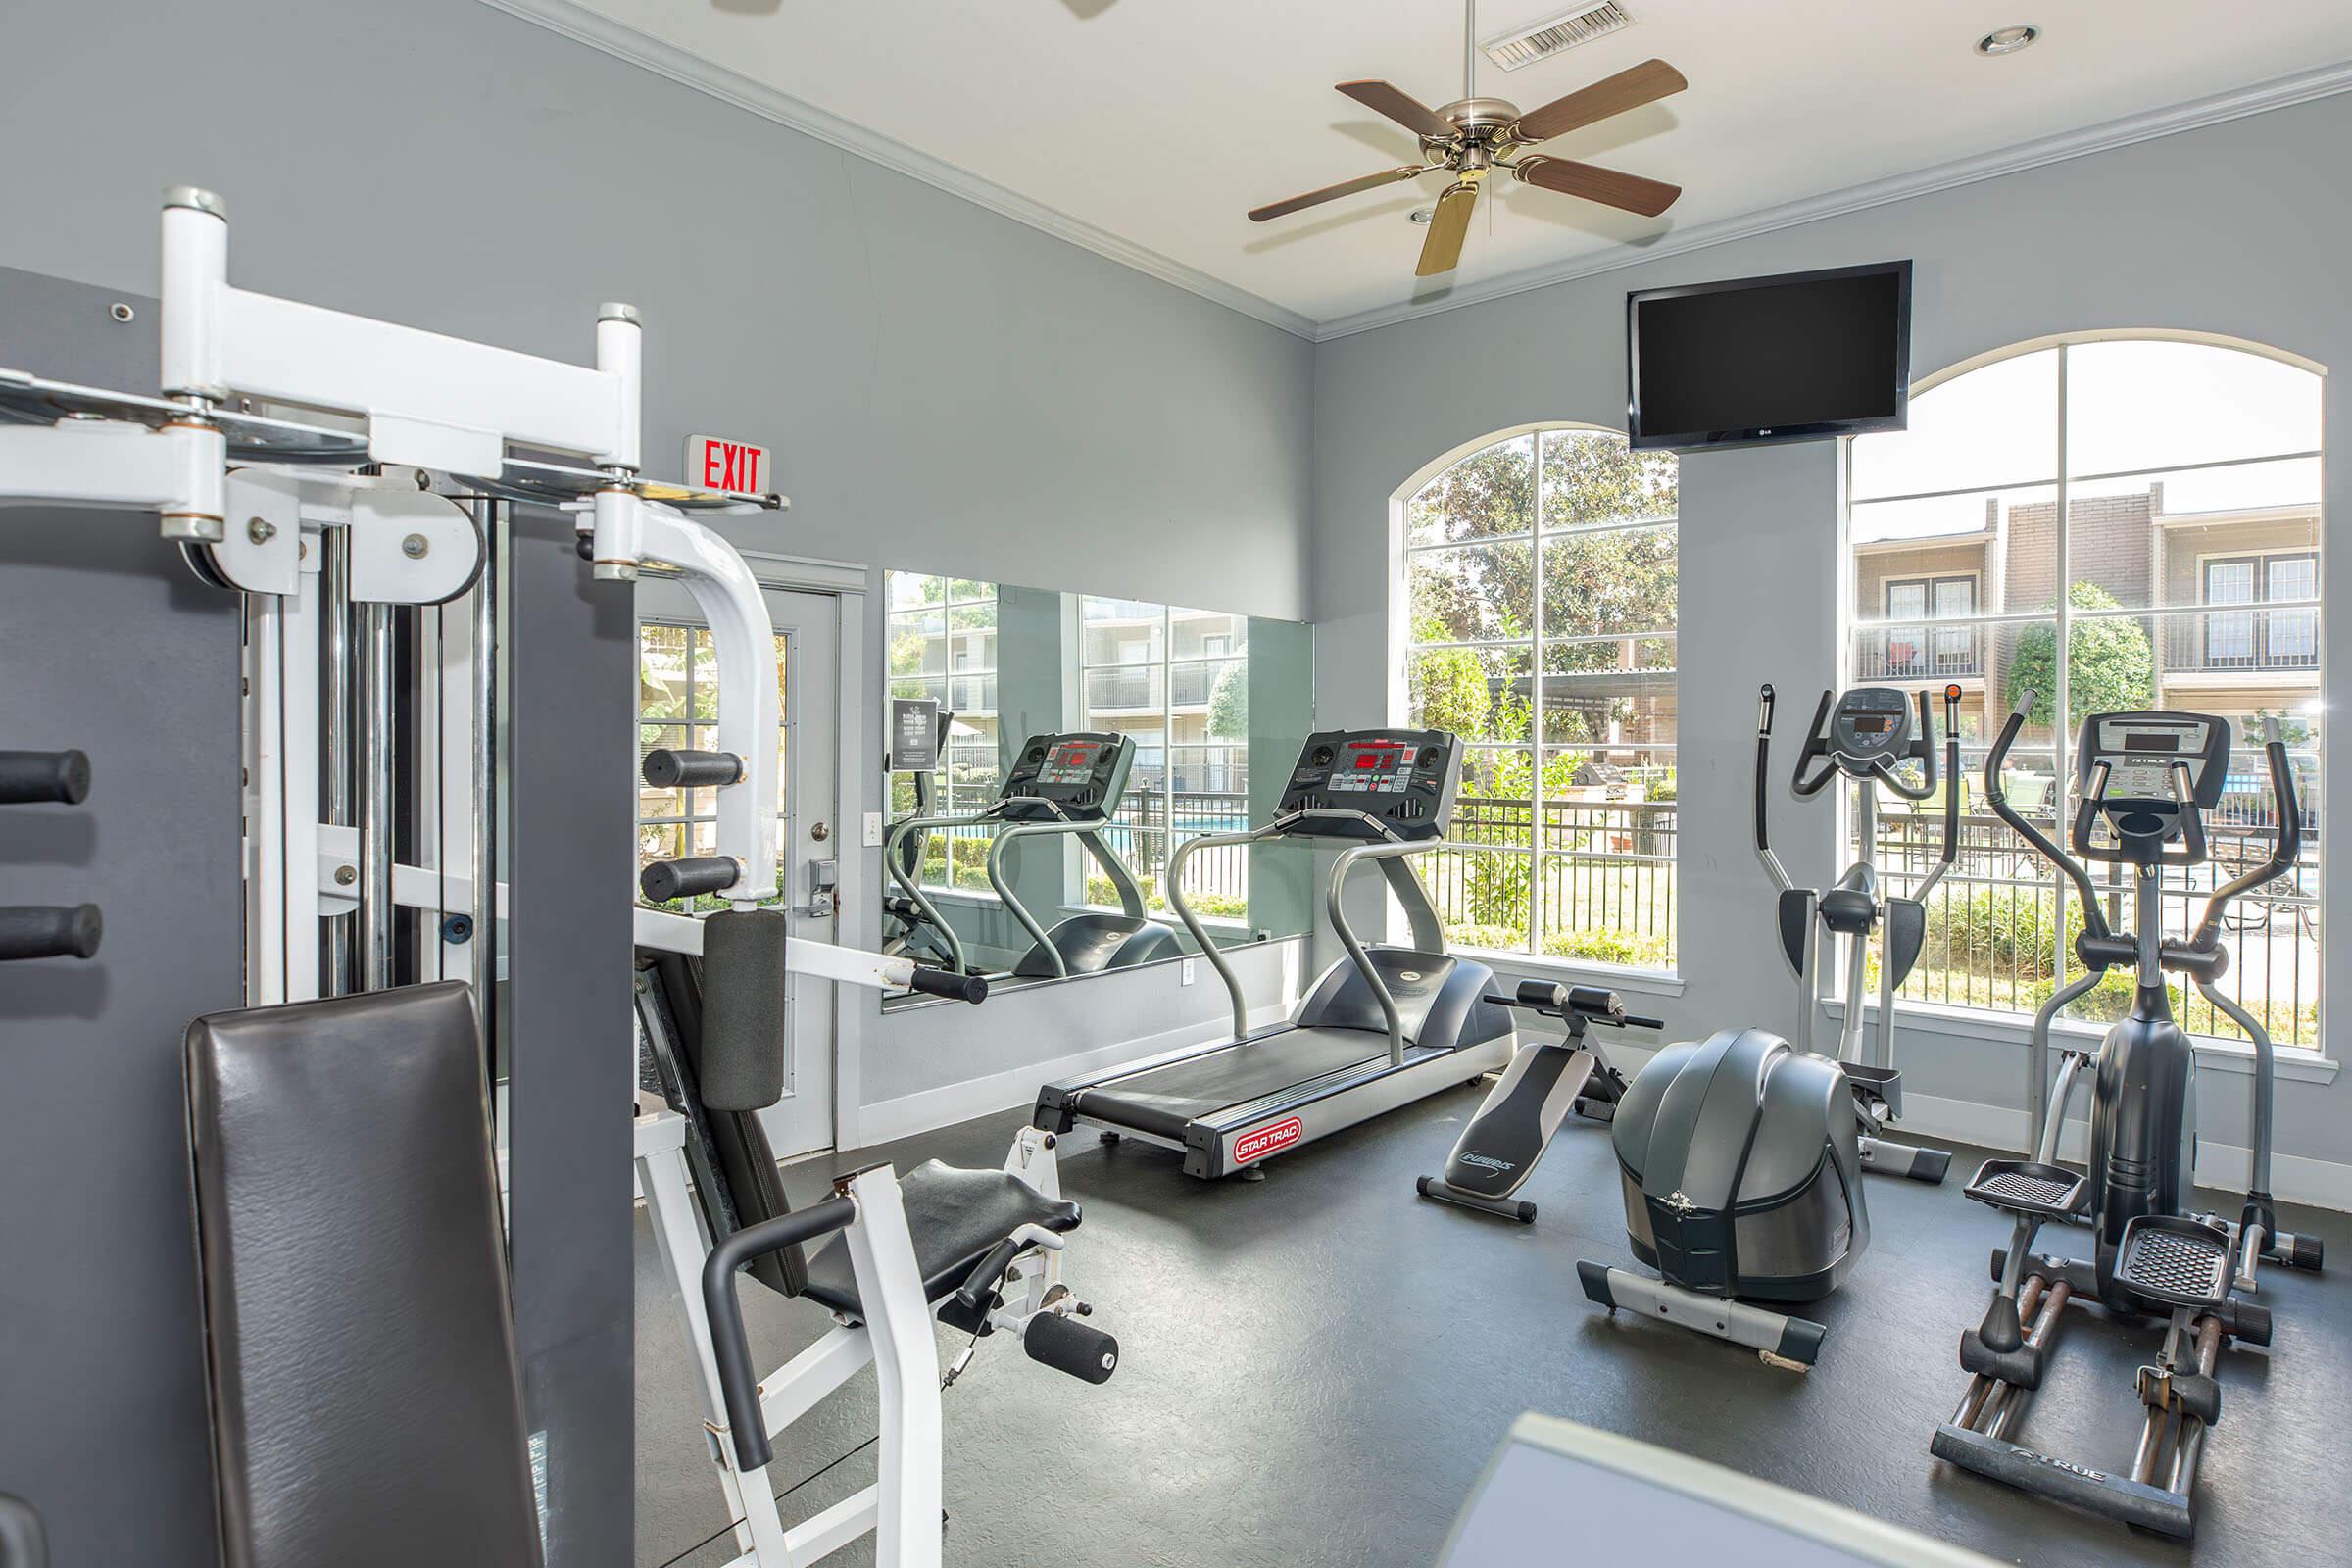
1790	358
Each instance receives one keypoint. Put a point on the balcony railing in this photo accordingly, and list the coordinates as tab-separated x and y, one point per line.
2243	639
1131	689
1926	652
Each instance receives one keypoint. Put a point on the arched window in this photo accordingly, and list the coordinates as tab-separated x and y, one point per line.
1541	584
2110	523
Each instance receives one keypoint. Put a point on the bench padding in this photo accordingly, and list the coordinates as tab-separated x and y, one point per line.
367	1406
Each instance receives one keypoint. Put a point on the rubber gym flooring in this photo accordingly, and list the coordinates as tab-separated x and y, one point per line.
1315	1367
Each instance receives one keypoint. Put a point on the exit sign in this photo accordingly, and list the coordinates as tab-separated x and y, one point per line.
717	464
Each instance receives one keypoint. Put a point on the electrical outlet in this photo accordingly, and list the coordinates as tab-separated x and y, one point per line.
873	830
1184	971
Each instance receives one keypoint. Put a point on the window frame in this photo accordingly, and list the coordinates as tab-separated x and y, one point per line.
1534	646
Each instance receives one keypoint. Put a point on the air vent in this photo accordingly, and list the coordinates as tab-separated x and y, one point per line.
1557	35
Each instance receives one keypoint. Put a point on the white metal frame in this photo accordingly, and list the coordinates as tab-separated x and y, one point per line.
902	1508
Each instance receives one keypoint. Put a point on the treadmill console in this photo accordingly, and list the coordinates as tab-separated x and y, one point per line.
1874	727
1076	777
2142	778
1384	784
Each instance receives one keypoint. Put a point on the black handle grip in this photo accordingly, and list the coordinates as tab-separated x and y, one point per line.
666	769
50	931
1636	1021
947	983
730	1347
1764	709
973	1295
28	779
664	880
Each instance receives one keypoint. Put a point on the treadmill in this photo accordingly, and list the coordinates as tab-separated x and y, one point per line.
1382	1028
1060	784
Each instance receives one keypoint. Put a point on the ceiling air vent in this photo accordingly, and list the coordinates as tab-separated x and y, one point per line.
1557	35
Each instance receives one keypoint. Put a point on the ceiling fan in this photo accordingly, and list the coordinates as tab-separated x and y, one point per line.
1473	136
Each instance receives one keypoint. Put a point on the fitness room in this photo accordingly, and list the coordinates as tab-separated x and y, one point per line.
1166	981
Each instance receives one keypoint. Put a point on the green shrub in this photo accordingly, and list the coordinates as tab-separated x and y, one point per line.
1208	906
1603	946
1662	787
1493	938
1494	889
2001	930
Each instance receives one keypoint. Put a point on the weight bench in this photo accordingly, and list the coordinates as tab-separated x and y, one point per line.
366	1404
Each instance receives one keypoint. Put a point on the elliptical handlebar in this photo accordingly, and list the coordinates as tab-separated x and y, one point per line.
1764	852
1815	749
1925	751
2283	853
1951	794
2094	922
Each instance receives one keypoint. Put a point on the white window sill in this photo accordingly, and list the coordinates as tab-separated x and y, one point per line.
2293	1063
1543	967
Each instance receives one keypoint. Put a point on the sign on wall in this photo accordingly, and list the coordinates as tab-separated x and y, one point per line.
717	464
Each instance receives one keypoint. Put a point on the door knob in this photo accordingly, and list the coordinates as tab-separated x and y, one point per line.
820	832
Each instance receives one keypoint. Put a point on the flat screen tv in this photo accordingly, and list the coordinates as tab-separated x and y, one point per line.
1790	358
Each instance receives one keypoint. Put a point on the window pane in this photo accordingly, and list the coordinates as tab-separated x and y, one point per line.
906	589
1909	556
1480	694
1116	695
917	644
1207	634
1618	580
2145	404
1486	494
1606	872
1482	888
1624	715
1123	631
2137	540
1482	593
1591	476
662	671
1997	427
1211	699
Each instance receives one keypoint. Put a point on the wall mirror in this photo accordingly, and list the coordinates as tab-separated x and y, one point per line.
1142	727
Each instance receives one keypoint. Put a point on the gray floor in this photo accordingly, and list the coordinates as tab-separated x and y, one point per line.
1316	1366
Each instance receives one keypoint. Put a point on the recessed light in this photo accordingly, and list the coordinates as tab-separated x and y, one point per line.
2007	40
1422	215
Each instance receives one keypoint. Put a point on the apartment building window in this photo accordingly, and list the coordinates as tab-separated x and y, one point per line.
2107	523
1177	680
941	642
1541	585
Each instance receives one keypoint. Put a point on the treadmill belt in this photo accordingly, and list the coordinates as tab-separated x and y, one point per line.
1162	1099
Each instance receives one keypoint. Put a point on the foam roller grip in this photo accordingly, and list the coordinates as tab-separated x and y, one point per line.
742	1009
1066	1344
28	779
947	983
666	769
664	880
50	931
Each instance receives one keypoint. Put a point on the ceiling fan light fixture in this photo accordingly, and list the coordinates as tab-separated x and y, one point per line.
2007	40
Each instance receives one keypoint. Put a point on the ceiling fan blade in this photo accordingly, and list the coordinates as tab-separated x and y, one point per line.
1401	107
1630	88
1609	186
1387	177
1448	226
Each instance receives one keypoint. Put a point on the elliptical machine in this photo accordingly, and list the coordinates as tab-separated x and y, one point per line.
907	930
1546	1080
1864	735
2145	780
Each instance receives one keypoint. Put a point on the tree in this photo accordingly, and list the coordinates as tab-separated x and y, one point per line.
1229	704
2109	663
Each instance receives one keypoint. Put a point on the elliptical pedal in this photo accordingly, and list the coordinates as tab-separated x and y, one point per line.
2029	1186
2176	1260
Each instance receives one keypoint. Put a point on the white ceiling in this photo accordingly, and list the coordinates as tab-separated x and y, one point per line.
1161	122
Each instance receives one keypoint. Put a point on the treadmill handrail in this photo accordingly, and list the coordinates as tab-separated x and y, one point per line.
1088	835
1191	923
898	872
1335	901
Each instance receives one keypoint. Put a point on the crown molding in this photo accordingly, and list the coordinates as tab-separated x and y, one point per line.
574	21
2280	93
583	25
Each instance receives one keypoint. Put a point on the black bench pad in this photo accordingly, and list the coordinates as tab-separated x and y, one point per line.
955	1216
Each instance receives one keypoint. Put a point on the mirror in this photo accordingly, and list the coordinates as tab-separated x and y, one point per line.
1139	726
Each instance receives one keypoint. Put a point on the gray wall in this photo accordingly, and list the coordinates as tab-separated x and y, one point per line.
942	385
2239	229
